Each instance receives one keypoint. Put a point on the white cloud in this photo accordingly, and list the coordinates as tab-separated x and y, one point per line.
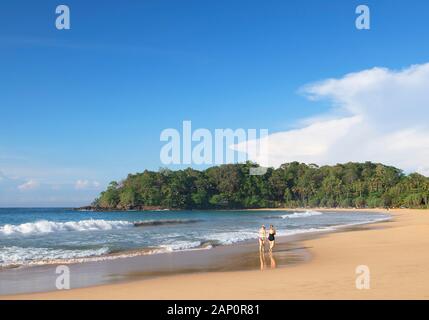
29	185
377	115
86	184
81	184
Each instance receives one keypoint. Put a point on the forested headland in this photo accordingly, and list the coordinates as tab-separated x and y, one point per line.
292	185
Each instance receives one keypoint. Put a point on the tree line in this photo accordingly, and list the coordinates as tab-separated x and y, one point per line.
230	186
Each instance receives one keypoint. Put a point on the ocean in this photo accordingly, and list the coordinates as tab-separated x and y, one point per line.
37	236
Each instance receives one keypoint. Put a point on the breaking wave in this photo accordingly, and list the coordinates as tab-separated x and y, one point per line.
301	214
45	226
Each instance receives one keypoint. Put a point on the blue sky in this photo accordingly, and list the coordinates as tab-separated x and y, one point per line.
85	106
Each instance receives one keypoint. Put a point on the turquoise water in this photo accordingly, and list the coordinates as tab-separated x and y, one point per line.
51	235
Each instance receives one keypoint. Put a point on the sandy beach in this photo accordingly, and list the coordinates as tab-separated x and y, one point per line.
396	253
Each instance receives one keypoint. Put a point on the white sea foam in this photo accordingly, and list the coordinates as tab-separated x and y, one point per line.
181	245
301	214
18	256
45	226
227	238
231	237
21	256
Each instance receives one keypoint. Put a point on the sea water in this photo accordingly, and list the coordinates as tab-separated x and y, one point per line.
34	236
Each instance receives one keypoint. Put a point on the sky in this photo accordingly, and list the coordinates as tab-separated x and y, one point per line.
82	107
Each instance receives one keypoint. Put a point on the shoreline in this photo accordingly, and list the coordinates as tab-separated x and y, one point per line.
305	243
126	254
